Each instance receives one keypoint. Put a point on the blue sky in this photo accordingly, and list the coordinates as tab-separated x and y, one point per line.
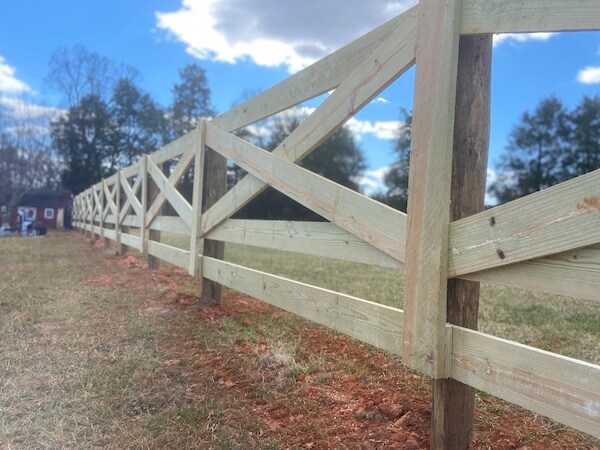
249	45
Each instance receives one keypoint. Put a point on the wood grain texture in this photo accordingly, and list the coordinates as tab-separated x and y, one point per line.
196	237
561	388
575	273
131	241
175	148
177	201
375	324
171	224
379	225
137	184
429	186
172	255
518	16
178	172
393	57
215	176
454	402
555	220
311	238
130	193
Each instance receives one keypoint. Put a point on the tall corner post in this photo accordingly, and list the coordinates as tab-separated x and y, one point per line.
424	340
196	237
454	402
447	181
215	186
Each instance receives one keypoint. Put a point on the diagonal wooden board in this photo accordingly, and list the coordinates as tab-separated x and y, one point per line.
376	224
393	57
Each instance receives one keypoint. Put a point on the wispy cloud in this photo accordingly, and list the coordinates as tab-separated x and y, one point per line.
372	180
382	100
9	83
19	108
500	39
271	32
589	75
381	129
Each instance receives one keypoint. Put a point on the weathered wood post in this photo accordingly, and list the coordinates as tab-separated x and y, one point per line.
454	402
215	179
444	120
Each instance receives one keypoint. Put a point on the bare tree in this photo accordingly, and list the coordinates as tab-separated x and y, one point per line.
76	73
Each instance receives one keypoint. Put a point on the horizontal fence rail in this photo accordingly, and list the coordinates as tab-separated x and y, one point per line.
548	241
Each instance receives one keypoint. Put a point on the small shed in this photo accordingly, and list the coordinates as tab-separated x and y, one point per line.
49	206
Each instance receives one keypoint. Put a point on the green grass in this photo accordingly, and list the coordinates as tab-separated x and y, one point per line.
559	324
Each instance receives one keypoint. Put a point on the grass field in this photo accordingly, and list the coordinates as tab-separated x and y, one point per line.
562	325
97	351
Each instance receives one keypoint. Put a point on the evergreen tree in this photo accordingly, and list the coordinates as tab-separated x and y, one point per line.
396	179
85	137
538	152
338	158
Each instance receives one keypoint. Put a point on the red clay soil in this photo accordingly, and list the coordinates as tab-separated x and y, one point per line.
357	397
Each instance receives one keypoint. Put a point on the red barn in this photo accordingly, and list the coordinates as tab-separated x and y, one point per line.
48	206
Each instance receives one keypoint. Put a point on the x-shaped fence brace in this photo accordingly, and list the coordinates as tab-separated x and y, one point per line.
547	241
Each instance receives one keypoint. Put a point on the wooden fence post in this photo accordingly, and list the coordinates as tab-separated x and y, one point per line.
454	402
148	197
215	179
118	216
123	249
424	340
196	238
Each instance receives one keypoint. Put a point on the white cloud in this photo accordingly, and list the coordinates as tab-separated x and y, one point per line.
18	108
271	32
520	37
372	180
8	82
589	75
381	129
382	100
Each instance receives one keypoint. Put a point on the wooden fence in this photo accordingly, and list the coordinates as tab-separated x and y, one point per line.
548	241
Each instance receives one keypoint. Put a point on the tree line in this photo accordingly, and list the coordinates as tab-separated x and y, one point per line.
108	121
550	145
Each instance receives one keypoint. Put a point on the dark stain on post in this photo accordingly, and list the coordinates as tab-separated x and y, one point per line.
500	253
492	221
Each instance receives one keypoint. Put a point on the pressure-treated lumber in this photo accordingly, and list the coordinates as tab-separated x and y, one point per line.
369	322
134	189
311	238
564	389
172	224
429	186
179	203
392	57
215	179
131	241
322	76
555	220
196	237
454	402
172	255
178	172
518	16
575	273
131	198
377	224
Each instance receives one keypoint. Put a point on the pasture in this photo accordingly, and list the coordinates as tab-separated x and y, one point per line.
96	350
